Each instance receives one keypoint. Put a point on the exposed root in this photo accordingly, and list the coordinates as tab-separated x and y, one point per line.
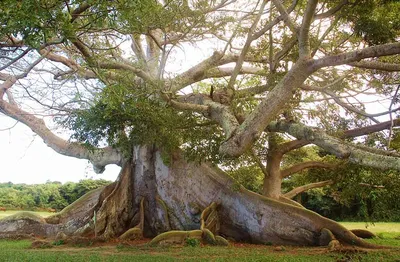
132	234
117	210
209	227
137	231
346	236
363	233
164	208
175	237
209	219
334	245
326	237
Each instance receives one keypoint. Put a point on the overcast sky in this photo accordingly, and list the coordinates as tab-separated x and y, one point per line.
26	159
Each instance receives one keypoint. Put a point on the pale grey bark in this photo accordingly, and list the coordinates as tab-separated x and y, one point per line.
355	56
266	111
335	146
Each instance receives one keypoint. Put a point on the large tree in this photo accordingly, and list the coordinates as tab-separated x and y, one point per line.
168	90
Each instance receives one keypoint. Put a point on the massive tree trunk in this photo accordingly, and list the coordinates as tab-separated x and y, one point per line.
154	198
175	195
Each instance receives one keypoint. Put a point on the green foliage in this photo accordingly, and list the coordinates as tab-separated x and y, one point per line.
192	242
123	116
250	177
43	196
40	21
35	20
377	21
358	193
58	242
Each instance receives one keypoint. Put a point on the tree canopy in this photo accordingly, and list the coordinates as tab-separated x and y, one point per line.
239	83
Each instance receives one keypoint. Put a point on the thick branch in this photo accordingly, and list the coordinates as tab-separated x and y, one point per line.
98	157
78	11
266	111
292	145
304	42
215	111
370	129
336	146
304	165
227	71
355	56
195	73
224	116
294	192
375	65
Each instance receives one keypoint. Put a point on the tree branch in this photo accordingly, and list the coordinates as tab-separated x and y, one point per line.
375	65
304	41
98	157
332	11
266	111
292	145
285	16
294	192
370	129
304	165
194	73
246	47
337	147
355	56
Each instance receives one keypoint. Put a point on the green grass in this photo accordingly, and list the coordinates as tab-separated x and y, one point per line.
12	250
388	232
21	251
377	227
12	212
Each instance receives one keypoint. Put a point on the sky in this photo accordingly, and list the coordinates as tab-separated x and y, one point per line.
25	158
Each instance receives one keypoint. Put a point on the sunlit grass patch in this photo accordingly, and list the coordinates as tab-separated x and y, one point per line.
20	250
377	227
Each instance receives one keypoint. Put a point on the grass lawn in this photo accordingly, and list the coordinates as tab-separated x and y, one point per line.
376	228
20	250
12	212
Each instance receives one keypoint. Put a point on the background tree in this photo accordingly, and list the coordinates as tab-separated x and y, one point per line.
52	195
106	70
